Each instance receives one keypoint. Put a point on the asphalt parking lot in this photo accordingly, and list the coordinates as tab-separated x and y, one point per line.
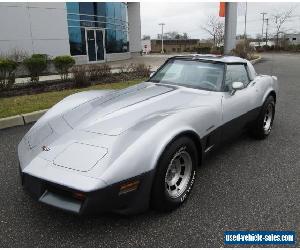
246	185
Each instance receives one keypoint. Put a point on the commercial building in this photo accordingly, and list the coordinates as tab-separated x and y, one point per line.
293	38
89	31
174	45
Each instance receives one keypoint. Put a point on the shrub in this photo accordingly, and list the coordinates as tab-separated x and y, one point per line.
7	73
16	55
44	56
63	65
123	69
243	50
277	47
36	64
259	49
266	47
99	71
139	70
203	50
124	73
293	47
217	50
81	76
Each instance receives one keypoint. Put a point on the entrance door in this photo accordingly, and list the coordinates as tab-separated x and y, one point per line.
95	44
99	45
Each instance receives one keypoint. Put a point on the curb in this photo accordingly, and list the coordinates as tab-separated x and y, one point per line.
22	119
12	121
34	116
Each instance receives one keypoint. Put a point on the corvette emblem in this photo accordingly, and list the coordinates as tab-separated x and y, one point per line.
45	148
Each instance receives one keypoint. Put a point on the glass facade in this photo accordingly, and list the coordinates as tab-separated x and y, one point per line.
110	16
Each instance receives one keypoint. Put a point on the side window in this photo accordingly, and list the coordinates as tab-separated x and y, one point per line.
236	73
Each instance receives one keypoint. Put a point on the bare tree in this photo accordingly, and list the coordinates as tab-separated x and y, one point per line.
146	37
279	19
15	54
174	35
259	38
215	27
185	36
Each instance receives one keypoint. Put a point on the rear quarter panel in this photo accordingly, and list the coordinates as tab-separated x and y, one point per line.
265	84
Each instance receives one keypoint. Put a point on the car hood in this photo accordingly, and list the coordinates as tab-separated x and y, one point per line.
120	110
93	127
116	112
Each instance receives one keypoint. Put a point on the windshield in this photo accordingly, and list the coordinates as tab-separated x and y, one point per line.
194	74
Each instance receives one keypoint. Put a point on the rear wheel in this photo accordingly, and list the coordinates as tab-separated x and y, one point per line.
263	125
175	175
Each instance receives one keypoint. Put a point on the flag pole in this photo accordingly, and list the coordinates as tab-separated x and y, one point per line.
245	32
230	27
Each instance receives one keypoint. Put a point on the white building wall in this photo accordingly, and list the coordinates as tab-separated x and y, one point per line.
34	28
293	38
134	22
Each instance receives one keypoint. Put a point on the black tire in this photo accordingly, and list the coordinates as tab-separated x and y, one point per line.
258	129
160	198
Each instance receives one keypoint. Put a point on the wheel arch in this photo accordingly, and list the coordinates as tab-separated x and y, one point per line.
187	133
193	136
273	94
270	92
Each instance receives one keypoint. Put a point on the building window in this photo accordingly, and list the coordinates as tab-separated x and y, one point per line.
103	15
87	8
77	41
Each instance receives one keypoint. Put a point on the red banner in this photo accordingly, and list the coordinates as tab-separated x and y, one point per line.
222	9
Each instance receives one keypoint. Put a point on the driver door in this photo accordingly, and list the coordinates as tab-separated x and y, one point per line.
236	107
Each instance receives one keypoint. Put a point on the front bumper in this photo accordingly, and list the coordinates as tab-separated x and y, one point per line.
98	201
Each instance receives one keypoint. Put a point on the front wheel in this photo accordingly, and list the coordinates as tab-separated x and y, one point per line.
263	125
175	175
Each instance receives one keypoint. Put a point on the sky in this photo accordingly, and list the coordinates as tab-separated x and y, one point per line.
189	17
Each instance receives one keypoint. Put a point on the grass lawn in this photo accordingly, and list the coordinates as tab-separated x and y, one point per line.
28	103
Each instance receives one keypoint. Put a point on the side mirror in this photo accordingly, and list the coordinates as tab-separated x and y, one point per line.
236	86
152	73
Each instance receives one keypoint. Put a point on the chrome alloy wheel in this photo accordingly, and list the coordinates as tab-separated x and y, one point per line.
178	174
268	118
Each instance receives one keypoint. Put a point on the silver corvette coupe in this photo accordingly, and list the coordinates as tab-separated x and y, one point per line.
127	150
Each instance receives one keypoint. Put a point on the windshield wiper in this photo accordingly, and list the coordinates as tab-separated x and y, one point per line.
155	81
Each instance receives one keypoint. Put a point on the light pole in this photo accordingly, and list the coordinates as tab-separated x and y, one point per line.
262	28
245	31
162	37
267	21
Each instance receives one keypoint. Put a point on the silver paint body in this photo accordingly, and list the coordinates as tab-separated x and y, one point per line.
97	138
